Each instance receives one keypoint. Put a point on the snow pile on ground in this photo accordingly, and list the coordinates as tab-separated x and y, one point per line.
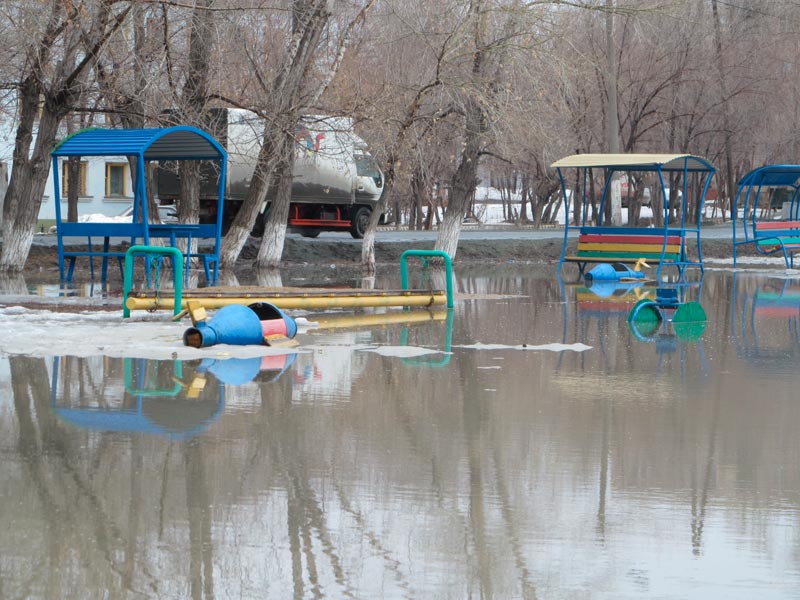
101	218
98	218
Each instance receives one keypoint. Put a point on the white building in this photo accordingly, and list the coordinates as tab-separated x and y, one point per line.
105	185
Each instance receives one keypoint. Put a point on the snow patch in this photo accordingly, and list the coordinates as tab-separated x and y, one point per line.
401	351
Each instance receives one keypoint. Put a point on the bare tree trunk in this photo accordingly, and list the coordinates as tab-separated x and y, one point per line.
30	168
730	181
194	110
188	198
464	180
368	241
475	126
417	197
73	187
271	248
240	228
309	19
28	180
524	196
615	205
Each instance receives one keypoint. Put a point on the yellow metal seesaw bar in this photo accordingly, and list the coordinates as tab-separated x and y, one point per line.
289	300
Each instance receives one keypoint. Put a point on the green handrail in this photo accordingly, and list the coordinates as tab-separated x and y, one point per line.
425	254
177	273
130	387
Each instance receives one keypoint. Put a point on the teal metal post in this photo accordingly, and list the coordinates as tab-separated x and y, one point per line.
177	273
448	264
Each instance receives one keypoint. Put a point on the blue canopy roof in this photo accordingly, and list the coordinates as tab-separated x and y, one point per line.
773	176
173	143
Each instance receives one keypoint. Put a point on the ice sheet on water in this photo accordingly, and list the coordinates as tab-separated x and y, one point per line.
401	351
34	332
554	347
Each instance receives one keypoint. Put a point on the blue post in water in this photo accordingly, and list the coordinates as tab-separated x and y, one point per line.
448	265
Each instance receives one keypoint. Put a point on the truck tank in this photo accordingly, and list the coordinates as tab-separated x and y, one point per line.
337	183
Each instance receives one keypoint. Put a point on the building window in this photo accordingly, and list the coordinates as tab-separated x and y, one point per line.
84	167
116	178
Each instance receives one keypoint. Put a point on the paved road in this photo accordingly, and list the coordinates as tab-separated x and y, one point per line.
711	232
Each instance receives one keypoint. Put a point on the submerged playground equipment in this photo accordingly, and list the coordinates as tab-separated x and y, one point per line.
600	243
768	234
177	299
612	272
258	323
688	319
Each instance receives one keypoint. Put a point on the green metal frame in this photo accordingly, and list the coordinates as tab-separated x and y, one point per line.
425	255
447	352
130	386
177	273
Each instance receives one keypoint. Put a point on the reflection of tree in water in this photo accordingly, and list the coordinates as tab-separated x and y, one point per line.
78	477
73	513
304	512
13	284
201	546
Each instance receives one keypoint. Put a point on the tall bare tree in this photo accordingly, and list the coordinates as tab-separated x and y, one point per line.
295	87
61	47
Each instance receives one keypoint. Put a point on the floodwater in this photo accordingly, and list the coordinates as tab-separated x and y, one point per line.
654	464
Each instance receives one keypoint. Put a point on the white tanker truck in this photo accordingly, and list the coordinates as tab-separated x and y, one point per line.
337	184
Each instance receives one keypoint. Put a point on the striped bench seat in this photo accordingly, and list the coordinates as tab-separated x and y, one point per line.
626	245
778	236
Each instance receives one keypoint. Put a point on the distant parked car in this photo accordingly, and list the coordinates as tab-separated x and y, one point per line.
166	212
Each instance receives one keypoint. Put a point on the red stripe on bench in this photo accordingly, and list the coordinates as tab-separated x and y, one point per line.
628	239
777	225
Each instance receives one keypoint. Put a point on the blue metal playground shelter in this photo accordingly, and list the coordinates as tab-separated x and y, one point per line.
768	236
173	144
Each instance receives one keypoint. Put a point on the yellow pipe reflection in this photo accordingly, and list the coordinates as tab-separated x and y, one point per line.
353	321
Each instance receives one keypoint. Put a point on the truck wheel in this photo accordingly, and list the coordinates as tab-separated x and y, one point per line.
310	233
359	222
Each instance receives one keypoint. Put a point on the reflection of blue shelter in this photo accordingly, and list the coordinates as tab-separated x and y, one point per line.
665	245
143	145
157	410
769	236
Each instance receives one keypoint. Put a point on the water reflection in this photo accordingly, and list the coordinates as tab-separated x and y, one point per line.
345	473
765	322
155	397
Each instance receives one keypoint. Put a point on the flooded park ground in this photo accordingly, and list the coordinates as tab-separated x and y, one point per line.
529	444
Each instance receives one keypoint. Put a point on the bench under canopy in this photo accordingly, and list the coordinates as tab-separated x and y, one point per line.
603	242
768	234
172	143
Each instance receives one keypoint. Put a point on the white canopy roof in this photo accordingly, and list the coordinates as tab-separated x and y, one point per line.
641	162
